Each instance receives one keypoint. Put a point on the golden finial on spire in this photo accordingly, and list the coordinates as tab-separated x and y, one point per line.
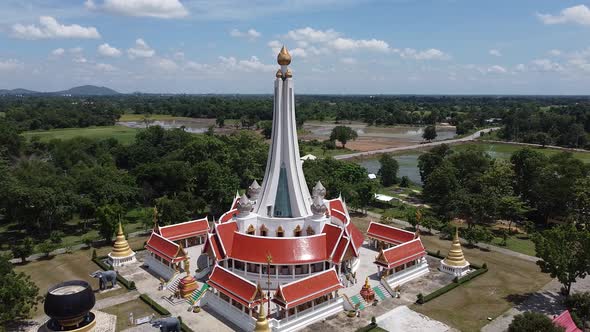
284	58
121	246
289	73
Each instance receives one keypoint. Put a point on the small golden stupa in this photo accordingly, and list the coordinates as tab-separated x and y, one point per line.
262	322
121	253
187	284
455	262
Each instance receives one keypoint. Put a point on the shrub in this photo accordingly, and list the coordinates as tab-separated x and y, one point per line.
158	308
88	240
456	279
484	266
46	247
420	298
56	236
94	255
404	182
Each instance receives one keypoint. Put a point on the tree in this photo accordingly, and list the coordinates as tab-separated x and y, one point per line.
343	134
565	253
220	121
513	209
18	294
533	322
46	247
404	182
23	250
428	162
266	127
429	133
579	306
108	216
388	170
171	210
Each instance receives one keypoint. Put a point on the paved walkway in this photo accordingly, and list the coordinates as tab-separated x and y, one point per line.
416	146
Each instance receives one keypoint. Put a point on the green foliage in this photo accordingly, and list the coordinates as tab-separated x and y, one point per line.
18	293
429	133
158	308
404	182
388	170
343	134
107	217
94	255
266	128
532	322
23	250
565	253
46	247
579	306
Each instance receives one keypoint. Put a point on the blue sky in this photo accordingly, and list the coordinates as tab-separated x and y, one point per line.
338	46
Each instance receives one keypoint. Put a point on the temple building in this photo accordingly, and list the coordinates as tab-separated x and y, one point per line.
121	253
455	262
279	236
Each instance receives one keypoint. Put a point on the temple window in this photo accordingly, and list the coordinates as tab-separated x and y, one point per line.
263	231
297	231
280	232
251	230
310	230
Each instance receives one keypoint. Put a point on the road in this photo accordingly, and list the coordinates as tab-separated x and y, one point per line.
415	146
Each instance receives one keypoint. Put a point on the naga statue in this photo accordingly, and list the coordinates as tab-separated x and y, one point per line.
105	277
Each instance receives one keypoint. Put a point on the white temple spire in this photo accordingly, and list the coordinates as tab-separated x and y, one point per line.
284	191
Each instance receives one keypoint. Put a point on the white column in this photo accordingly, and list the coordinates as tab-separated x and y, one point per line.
293	271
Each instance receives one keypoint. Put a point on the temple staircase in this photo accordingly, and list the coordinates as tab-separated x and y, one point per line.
196	296
172	285
358	300
381	293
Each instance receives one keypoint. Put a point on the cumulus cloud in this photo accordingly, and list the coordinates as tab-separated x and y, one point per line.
147	8
249	34
555	52
495	52
10	64
107	50
165	64
497	69
140	50
50	28
430	54
58	52
545	65
348	61
359	44
579	14
105	67
250	65
310	35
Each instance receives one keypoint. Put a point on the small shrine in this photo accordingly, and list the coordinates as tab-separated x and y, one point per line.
121	253
455	262
188	284
367	293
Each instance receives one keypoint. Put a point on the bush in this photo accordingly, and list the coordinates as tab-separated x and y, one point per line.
404	182
46	247
472	275
420	298
456	279
532	322
88	240
158	308
56	236
94	254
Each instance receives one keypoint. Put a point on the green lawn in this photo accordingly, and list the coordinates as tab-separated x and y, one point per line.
124	135
154	117
518	244
504	151
319	152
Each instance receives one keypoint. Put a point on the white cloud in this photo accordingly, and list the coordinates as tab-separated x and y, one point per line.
579	14
555	52
58	52
105	67
50	28
10	64
191	65
495	52
546	65
352	44
165	64
107	50
249	34
140	50
310	35
520	67
76	50
250	65
80	59
179	55
145	8
430	54
348	61
496	69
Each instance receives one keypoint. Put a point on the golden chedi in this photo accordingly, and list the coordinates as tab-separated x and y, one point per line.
455	262
262	322
284	58
121	253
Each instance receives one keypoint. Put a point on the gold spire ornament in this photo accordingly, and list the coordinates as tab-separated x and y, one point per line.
284	58
289	73
455	256
279	74
262	322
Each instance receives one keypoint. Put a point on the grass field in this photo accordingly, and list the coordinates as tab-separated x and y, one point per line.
124	135
154	117
137	307
467	307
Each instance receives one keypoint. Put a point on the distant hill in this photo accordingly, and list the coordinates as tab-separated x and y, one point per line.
85	90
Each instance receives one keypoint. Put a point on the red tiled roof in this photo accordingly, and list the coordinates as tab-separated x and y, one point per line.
337	204
355	234
228	215
225	233
340	250
340	215
234	204
185	230
388	234
401	254
234	286
307	289
288	250
333	234
214	245
565	320
164	248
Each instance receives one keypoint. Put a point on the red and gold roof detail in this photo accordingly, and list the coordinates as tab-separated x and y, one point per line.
388	234
185	230
245	292
307	289
401	254
165	248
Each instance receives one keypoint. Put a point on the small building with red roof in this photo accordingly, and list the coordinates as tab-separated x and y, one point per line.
402	263
565	321
189	233
384	236
165	257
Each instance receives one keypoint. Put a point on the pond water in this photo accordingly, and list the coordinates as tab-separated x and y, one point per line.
195	126
401	133
408	166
